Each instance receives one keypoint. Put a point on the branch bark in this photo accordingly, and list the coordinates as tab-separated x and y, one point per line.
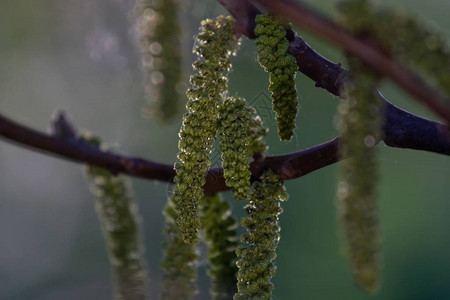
402	130
68	146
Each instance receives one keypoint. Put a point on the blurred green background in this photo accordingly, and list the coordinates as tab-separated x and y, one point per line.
80	56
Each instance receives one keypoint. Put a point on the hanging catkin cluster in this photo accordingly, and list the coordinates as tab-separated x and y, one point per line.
159	39
255	265
235	118
216	42
120	221
415	42
360	128
221	238
272	48
178	282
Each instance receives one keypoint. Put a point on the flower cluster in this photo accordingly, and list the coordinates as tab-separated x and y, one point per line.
255	265
216	42
120	221
235	118
179	277
159	38
272	48
221	237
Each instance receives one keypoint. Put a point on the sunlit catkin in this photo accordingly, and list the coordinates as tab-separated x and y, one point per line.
221	238
216	42
256	266
272	48
159	39
121	224
234	124
178	282
359	125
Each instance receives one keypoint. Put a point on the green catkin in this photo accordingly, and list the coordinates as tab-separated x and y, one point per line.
424	50
178	282
120	221
272	48
235	119
256	266
216	42
415	42
360	129
159	40
221	237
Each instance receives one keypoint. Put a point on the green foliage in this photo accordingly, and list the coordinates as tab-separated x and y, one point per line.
159	32
255	265
235	118
360	129
120	221
216	42
178	281
272	48
221	237
416	43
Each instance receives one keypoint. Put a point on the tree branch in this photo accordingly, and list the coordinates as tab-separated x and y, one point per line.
311	20
402	130
66	145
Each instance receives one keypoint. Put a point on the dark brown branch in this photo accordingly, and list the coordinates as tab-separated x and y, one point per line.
69	147
293	165
305	17
75	150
